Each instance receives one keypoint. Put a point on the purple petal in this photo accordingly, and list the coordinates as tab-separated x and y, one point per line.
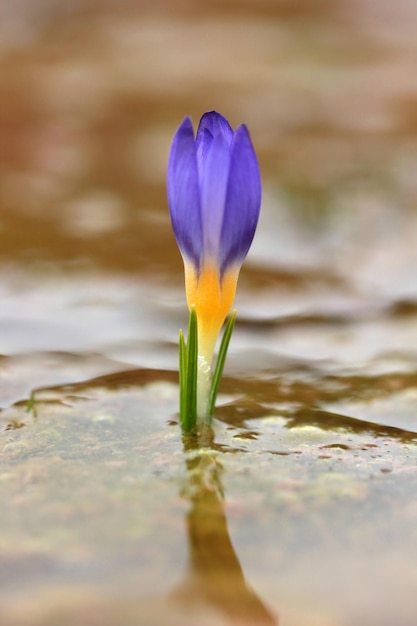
203	143
213	175
184	194
216	125
212	125
243	201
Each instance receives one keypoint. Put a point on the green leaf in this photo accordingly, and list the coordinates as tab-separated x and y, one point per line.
182	377
31	403
221	359
189	417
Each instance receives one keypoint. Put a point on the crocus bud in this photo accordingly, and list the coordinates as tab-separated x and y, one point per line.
214	197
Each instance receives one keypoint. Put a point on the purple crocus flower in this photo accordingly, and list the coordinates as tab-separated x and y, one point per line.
214	197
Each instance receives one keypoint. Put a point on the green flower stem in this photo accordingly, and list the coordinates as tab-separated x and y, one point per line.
198	383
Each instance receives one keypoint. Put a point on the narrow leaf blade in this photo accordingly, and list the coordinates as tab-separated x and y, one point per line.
221	359
182	377
190	418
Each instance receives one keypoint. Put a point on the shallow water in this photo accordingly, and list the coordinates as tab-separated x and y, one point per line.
301	508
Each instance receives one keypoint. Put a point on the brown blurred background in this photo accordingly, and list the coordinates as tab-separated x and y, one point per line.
91	92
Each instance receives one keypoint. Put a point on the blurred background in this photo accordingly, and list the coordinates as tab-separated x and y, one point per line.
93	90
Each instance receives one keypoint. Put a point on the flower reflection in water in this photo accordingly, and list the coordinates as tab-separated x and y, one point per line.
215	578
